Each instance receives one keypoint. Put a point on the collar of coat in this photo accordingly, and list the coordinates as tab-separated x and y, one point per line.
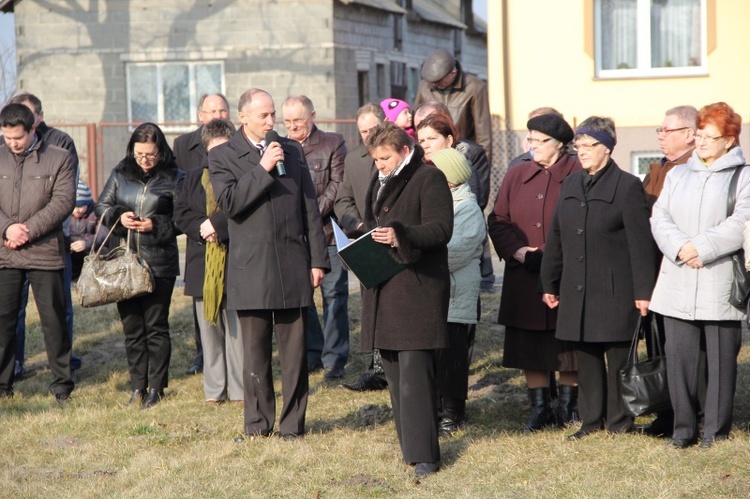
392	189
603	190
195	139
133	171
561	169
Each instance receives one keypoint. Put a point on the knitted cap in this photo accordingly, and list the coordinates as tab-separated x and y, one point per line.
83	194
437	65
392	108
453	164
552	125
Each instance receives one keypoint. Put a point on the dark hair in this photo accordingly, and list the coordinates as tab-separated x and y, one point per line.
33	99
442	124
722	116
149	132
217	129
13	115
388	134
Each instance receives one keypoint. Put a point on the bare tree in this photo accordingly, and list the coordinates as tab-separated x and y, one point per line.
7	71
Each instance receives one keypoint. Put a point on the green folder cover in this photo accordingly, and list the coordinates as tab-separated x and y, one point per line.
370	261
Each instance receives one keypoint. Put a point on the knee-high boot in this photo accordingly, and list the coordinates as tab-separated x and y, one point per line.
567	405
541	411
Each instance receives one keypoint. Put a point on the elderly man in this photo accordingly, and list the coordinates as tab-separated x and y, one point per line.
466	96
359	167
31	218
190	154
55	137
676	137
325	152
277	256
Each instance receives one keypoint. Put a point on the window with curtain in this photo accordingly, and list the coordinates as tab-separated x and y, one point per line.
650	37
169	91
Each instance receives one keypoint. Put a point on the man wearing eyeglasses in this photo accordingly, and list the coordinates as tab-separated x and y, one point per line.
327	347
190	154
676	137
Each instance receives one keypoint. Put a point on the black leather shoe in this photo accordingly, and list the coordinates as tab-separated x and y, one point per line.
62	398
366	383
137	397
579	435
290	437
423	469
708	442
681	443
6	394
448	426
194	369
333	373
153	398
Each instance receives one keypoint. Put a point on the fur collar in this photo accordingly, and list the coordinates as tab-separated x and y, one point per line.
132	171
392	188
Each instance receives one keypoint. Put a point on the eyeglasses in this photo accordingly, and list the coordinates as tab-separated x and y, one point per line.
150	156
707	139
585	147
539	142
298	122
665	131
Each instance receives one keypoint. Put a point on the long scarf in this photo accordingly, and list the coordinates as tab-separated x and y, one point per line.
216	256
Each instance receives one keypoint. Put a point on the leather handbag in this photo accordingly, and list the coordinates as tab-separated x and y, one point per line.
739	294
643	384
118	275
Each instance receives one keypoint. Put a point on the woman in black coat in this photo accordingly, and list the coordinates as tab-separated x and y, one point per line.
599	267
140	194
406	316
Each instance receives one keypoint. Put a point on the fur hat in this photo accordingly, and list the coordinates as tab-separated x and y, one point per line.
392	108
437	65
83	194
453	164
552	125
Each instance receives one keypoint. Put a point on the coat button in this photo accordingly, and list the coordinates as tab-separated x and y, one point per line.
385	209
537	225
580	258
540	196
583	205
579	288
579	231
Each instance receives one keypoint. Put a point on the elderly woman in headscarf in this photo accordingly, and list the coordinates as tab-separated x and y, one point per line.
518	228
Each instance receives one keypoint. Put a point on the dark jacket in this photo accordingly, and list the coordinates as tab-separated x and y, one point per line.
480	170
189	214
599	257
521	217
653	182
84	229
359	167
189	151
37	189
128	188
325	153
55	137
469	104
410	310
274	226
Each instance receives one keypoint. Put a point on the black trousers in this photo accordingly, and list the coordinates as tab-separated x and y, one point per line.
48	289
723	340
257	328
599	399
453	371
411	382
145	321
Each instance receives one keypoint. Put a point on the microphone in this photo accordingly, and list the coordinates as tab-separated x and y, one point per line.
272	136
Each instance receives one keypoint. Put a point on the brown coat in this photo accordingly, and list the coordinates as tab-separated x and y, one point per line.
409	311
521	217
469	104
654	180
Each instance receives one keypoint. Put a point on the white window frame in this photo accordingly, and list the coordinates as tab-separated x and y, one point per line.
194	95
636	156
643	27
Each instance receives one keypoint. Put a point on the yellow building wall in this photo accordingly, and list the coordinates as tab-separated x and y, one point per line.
550	62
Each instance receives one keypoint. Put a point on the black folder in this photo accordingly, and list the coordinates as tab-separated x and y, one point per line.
370	261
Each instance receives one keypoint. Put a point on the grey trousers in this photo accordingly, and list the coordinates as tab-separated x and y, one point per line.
683	348
222	354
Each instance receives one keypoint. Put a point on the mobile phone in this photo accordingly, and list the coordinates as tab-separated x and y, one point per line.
135	217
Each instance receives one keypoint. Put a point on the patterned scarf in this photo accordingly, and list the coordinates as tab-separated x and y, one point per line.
216	256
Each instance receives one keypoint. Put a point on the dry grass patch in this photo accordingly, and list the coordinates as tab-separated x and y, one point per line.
97	447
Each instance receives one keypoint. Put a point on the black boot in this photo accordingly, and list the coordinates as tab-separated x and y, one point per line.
541	412
567	405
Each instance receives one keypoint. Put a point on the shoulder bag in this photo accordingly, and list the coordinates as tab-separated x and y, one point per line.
739	294
119	275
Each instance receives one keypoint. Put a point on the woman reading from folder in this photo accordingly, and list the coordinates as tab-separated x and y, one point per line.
406	316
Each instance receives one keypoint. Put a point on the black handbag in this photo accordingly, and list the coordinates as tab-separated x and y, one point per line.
739	294
119	275
643	384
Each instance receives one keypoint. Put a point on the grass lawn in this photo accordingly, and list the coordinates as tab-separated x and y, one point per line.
97	447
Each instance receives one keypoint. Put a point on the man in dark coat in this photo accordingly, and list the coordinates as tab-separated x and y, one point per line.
324	152
190	154
31	218
55	137
277	256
